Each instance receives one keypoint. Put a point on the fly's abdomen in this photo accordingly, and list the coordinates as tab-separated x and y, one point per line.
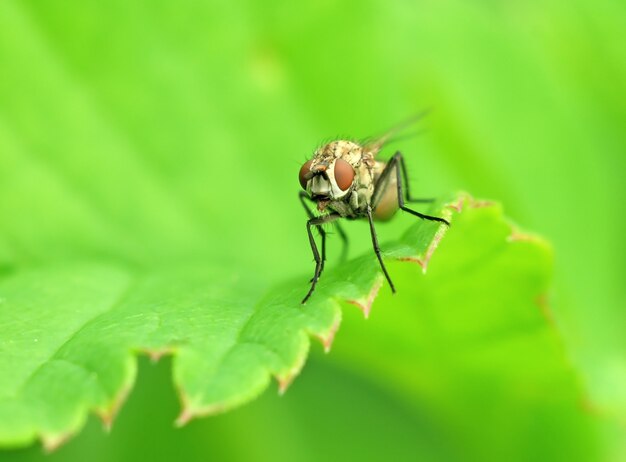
387	197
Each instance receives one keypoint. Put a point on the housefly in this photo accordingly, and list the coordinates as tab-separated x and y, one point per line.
344	180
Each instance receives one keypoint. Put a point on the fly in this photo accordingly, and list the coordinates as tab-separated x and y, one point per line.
344	180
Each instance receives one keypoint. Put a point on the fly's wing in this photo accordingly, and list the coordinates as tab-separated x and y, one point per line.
376	144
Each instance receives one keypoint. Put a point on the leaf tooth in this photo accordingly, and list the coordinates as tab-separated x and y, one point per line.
155	354
328	337
184	417
284	382
108	414
365	305
518	235
189	412
457	206
51	442
285	379
466	199
478	204
432	246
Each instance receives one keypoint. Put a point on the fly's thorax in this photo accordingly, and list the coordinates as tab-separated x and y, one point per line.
341	149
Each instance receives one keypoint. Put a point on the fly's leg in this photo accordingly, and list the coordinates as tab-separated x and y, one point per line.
405	177
397	161
318	222
377	248
430	200
302	195
342	235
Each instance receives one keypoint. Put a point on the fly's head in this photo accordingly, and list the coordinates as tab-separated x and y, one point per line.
331	174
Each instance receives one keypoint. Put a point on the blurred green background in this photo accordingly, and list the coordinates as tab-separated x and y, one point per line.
150	130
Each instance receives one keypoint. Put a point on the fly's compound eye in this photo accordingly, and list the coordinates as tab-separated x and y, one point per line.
302	176
344	174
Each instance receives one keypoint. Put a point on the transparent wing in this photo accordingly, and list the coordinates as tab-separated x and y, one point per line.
392	134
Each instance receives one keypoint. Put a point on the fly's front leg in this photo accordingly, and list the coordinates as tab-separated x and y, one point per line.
342	235
317	222
302	195
377	248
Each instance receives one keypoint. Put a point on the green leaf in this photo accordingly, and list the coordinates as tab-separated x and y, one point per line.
139	140
70	333
473	344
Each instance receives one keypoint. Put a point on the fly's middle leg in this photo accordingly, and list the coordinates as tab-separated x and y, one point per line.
377	248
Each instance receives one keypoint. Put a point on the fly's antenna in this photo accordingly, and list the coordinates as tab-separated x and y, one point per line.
391	135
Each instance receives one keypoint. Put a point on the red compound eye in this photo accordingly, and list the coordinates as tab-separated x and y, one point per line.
304	170
344	174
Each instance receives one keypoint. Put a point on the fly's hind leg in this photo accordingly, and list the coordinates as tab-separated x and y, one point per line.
407	189
397	162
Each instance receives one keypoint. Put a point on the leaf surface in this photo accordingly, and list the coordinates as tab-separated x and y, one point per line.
71	332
